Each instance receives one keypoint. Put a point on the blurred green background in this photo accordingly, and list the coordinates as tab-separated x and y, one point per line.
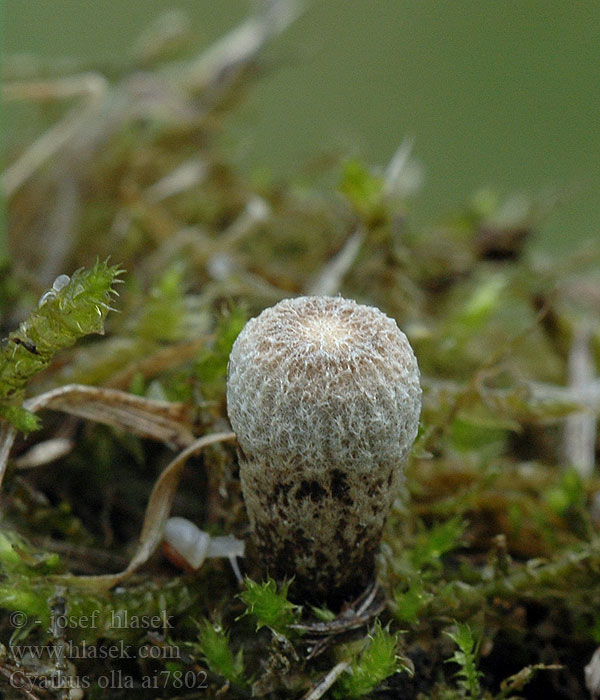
502	94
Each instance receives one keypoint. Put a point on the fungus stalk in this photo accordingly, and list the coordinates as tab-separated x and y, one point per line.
324	397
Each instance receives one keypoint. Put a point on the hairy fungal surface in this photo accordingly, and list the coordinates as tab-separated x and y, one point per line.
324	396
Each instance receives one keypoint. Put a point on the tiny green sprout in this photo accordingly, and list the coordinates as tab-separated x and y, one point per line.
363	188
164	309
323	614
484	301
466	657
26	601
20	557
269	606
432	544
215	647
568	494
376	663
410	604
211	365
595	628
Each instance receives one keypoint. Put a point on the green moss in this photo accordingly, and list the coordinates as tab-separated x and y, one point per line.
70	310
215	646
466	658
363	189
432	544
267	603
378	661
494	530
211	365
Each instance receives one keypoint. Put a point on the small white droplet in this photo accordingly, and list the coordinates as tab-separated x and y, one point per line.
61	282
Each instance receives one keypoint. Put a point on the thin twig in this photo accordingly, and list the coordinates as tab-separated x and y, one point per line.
329	280
327	681
92	87
157	513
237	48
580	427
7	438
17	679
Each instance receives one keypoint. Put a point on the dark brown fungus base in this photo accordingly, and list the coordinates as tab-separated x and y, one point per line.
328	551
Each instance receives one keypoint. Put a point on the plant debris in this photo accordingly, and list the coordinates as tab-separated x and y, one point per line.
489	571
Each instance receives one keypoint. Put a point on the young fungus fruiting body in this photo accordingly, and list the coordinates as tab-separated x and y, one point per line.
324	396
